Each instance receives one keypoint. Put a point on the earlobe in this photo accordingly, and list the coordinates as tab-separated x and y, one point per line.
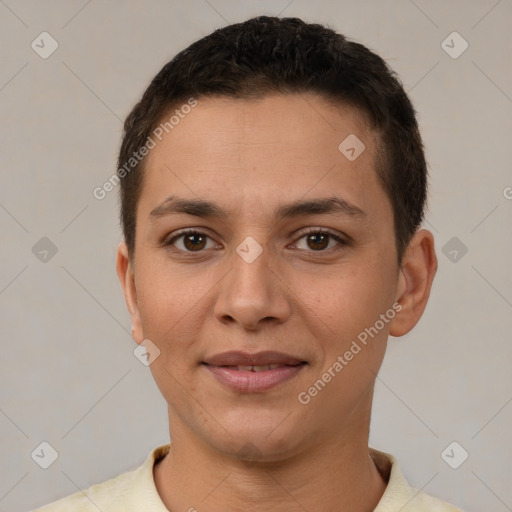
127	279
417	273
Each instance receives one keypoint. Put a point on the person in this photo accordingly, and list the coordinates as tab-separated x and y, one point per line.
273	182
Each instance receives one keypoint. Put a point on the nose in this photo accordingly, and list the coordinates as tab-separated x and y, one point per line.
252	292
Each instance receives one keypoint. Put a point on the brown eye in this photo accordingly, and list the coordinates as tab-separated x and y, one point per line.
191	241
319	241
194	241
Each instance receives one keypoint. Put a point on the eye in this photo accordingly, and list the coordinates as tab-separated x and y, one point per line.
318	240
193	241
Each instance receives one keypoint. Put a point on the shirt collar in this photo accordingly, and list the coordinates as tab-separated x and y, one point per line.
397	495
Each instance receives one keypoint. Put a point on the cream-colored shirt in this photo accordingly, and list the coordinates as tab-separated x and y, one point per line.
135	491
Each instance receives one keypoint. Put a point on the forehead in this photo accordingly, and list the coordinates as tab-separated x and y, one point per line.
303	121
276	148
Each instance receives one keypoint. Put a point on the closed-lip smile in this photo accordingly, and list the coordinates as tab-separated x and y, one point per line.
251	373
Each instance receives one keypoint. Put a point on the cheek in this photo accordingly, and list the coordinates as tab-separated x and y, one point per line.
167	290
355	297
169	302
351	306
355	346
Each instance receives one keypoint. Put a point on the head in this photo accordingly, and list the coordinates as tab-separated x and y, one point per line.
257	117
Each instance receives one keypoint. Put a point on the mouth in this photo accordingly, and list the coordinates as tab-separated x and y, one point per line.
256	368
253	373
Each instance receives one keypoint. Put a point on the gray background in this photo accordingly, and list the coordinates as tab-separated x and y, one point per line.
67	369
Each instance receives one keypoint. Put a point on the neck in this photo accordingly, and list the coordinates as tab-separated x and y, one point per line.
335	473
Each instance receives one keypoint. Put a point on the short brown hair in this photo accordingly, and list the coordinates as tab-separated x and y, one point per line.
266	55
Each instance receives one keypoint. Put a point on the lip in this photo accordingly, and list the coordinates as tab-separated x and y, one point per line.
224	368
239	358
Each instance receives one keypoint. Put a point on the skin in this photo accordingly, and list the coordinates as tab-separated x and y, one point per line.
297	298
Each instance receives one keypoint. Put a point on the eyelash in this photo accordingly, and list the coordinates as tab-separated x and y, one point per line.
312	231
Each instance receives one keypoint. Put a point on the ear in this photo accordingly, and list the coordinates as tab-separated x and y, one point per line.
417	273
127	278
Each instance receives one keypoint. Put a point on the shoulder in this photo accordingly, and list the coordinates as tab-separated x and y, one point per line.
103	496
96	497
399	495
425	502
121	493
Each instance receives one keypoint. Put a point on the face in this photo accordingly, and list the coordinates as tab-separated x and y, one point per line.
270	266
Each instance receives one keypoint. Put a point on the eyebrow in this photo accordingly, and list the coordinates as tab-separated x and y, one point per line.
208	209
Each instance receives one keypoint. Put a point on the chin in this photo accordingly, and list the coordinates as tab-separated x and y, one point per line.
258	443
257	450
